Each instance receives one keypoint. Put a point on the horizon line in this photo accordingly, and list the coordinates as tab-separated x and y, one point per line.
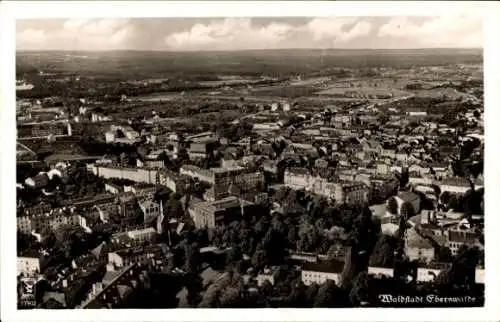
246	50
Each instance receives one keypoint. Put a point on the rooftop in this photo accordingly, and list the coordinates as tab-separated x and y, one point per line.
415	240
408	196
298	171
331	266
466	237
460	182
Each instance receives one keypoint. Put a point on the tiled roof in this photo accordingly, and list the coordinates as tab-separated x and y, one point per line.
408	196
465	237
332	266
414	240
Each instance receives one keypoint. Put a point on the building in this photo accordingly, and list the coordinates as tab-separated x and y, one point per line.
122	134
267	275
112	188
341	121
209	214
134	174
388	153
457	238
454	185
198	173
319	273
38	181
298	178
343	192
417	247
380	271
24	224
142	190
221	179
152	160
102	201
143	235
266	127
416	112
349	193
151	209
138	255
201	149
27	223
173	180
409	198
382	168
383	186
389	228
372	146
44	129
201	137
30	263
120	291
419	169
427	274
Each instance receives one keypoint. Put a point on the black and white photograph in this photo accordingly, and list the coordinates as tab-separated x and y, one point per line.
249	162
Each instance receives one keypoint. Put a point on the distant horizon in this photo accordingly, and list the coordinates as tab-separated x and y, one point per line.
249	50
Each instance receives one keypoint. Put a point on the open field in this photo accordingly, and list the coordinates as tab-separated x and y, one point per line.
286	91
451	93
310	81
362	92
158	97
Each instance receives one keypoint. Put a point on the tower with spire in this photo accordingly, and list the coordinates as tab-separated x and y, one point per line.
159	220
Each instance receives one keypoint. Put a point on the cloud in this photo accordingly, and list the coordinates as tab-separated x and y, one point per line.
249	33
80	34
230	33
31	38
444	31
327	28
237	33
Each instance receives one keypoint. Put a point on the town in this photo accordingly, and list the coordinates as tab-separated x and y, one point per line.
299	179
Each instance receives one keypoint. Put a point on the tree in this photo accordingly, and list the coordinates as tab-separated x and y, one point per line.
192	259
362	239
173	208
454	203
259	259
444	255
383	253
461	274
231	297
233	256
266	289
392	206
445	197
210	297
298	297
360	289
25	241
329	295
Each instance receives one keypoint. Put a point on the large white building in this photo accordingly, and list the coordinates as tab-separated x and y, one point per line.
342	192
30	264
320	273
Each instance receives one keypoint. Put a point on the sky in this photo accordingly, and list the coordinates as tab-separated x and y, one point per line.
198	34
